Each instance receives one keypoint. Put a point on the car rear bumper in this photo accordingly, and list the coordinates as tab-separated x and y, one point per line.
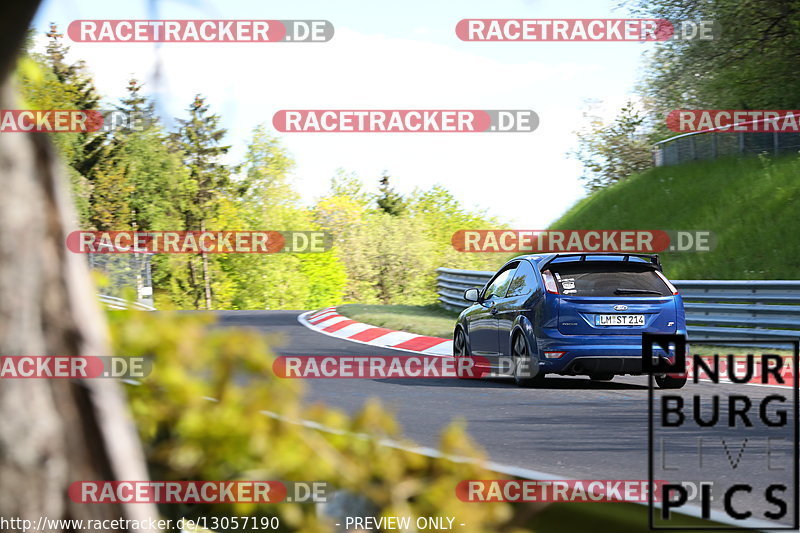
603	365
618	354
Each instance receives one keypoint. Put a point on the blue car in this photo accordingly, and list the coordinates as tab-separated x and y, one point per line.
570	314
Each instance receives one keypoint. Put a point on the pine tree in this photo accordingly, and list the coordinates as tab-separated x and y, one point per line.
92	155
388	200
73	76
199	139
152	167
109	207
79	89
136	103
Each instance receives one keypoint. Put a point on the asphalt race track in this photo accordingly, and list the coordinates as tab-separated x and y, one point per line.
571	427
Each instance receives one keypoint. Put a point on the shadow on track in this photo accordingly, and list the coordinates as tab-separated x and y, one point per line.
550	383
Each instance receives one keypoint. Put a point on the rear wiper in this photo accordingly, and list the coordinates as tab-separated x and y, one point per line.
636	291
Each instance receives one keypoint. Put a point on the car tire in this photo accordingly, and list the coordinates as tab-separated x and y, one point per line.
460	351
519	352
601	377
670	382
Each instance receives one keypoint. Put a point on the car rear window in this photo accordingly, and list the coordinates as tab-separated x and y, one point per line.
610	279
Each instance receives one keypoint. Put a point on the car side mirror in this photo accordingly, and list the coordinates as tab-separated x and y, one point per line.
472	295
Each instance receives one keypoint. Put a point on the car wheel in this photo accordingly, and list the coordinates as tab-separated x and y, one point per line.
670	382
460	351
601	377
521	354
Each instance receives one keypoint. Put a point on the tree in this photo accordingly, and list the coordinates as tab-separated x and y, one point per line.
266	172
349	185
612	152
441	215
750	64
153	169
343	206
47	81
389	260
156	184
74	77
266	200
199	139
109	208
389	201
137	104
78	87
53	431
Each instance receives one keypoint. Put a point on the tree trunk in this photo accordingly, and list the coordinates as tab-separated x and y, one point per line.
206	274
52	431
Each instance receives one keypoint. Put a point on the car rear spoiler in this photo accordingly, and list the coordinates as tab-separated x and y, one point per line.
653	259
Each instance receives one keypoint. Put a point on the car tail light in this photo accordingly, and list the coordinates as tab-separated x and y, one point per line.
669	284
553	355
550	282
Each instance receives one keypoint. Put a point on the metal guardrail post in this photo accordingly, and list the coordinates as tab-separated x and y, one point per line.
658	156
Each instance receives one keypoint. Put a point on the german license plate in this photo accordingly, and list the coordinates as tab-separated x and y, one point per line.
619	320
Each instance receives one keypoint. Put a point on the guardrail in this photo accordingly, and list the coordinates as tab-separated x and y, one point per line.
728	309
112	302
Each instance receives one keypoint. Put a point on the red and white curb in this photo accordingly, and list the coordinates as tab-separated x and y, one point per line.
329	322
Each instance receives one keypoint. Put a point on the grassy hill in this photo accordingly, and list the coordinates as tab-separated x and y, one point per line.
752	205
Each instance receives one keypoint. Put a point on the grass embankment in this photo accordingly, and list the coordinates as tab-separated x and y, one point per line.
751	204
424	319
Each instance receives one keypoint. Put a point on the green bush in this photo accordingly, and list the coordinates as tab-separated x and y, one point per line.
186	436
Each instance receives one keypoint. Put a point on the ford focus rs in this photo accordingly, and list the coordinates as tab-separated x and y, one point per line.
570	314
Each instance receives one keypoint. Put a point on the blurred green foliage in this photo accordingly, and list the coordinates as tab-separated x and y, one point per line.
199	414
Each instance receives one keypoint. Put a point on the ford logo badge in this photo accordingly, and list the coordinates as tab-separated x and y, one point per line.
620	308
